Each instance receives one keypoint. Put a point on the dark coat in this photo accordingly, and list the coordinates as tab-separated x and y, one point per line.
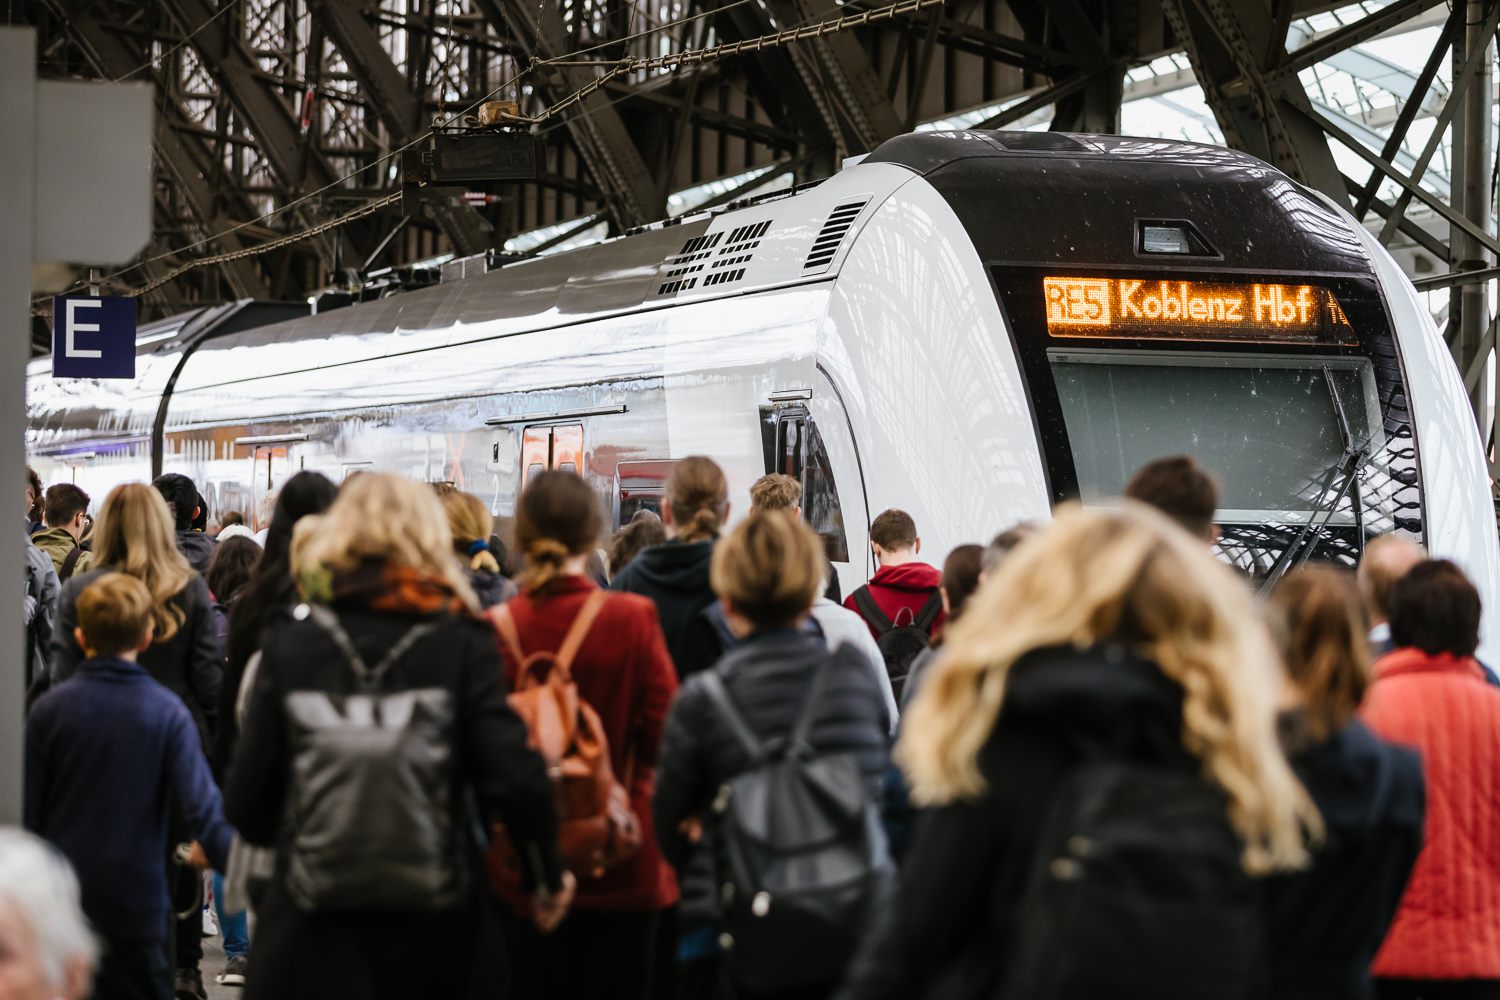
675	577
767	676
491	588
197	548
508	781
190	664
949	933
1323	925
108	754
39	614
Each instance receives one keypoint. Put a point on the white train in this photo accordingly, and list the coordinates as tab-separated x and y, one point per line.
967	325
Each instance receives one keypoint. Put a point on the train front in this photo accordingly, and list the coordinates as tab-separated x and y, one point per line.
1167	298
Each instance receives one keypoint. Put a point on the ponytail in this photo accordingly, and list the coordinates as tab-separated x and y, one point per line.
481	558
544	561
557	517
699	495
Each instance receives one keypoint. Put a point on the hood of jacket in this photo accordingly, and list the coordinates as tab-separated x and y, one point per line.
1410	660
674	566
1103	699
197	548
913	576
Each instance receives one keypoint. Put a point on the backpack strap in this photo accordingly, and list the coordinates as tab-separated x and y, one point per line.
368	677
930	611
809	713
870	611
505	624
729	713
70	563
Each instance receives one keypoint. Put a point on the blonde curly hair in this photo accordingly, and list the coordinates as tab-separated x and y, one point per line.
1131	577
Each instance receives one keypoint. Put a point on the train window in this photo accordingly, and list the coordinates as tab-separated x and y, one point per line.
533	470
820	497
641	485
782	434
552	447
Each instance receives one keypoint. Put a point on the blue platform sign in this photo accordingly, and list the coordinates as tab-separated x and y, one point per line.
93	337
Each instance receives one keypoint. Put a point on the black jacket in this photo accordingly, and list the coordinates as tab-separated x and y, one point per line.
675	577
767	676
190	664
1324	925
949	932
507	777
197	548
490	588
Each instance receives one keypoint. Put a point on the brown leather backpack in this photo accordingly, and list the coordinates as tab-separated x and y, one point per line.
597	828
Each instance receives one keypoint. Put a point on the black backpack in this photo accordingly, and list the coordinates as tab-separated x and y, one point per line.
801	859
372	777
1136	893
899	644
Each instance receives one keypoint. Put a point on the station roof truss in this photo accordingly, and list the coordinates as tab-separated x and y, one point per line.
281	122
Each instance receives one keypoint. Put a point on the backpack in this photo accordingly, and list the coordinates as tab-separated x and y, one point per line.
899	644
1136	892
800	854
597	828
371	784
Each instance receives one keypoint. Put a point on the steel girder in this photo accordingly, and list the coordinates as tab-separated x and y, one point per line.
399	107
1235	48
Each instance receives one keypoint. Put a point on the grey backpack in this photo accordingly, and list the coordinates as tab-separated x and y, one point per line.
369	813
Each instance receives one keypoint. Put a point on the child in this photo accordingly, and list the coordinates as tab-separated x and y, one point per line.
108	754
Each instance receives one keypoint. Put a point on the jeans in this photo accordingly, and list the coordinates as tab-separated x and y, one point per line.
234	926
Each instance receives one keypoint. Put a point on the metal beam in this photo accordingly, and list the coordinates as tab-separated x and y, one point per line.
1362	30
597	130
400	109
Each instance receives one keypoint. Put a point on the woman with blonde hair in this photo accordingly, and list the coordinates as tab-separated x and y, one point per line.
612	647
1370	793
675	575
135	535
1110	669
767	574
471	524
377	735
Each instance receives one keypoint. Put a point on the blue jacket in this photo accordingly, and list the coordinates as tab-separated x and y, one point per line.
108	753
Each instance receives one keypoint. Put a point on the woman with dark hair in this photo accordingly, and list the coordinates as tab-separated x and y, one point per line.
675	575
1430	694
606	945
269	589
1324	924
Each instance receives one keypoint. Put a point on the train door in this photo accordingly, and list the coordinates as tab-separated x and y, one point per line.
810	442
552	446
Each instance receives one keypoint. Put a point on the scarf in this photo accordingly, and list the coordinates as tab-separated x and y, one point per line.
379	586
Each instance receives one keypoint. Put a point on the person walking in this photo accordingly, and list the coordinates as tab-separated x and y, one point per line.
1126	703
135	536
768	573
65	508
377	735
186	506
1323	925
1430	694
608	943
472	525
675	575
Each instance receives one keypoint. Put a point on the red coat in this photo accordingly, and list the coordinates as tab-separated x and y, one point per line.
625	674
905	586
1448	924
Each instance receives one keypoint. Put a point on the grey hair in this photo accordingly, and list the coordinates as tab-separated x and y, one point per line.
38	881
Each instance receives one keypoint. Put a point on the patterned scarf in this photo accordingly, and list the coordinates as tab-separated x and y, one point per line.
379	586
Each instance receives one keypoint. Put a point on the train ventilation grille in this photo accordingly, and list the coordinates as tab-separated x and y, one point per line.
729	265
680	271
464	267
831	236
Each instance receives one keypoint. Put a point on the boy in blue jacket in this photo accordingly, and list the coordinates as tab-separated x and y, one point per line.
109	754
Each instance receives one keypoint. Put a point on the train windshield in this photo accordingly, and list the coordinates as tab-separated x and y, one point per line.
1288	386
1274	429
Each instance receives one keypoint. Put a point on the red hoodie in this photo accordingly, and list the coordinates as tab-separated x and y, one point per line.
906	586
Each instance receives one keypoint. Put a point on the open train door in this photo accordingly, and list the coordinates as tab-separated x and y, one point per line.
807	435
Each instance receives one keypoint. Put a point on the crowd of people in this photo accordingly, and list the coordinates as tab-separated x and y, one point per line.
1085	759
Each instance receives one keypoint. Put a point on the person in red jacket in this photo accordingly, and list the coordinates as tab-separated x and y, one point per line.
1429	693
903	585
607	945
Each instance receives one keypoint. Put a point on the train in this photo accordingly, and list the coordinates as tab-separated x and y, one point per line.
968	325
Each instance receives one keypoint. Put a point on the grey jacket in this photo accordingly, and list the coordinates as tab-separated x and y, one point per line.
39	610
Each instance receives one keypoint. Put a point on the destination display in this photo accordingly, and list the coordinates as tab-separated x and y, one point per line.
1165	309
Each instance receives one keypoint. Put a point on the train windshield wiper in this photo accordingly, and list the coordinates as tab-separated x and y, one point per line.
1344	472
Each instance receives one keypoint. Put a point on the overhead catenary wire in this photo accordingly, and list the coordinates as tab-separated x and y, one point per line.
155	61
627	64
